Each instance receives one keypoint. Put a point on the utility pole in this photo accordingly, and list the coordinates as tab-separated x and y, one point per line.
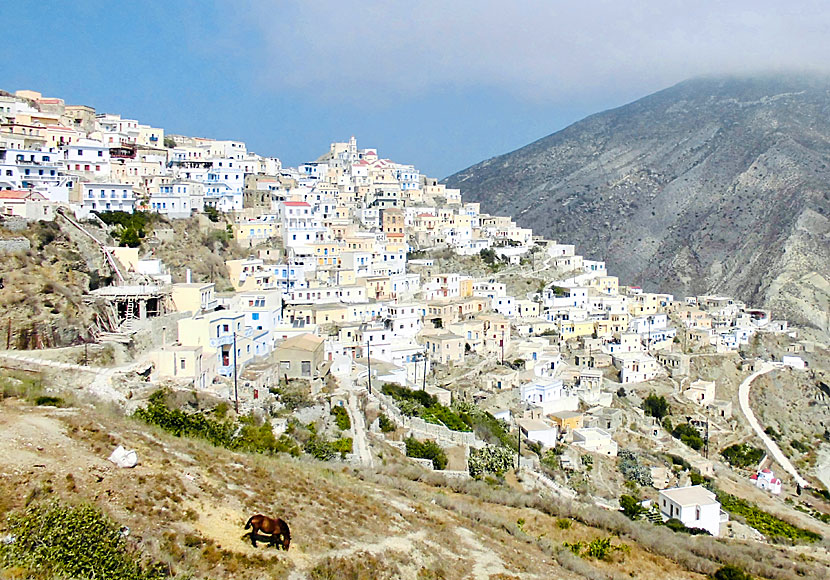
369	366
502	347
519	453
235	386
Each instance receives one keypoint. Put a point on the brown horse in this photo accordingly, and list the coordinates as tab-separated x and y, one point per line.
276	527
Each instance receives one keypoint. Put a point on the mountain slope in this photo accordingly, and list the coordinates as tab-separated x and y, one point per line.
713	185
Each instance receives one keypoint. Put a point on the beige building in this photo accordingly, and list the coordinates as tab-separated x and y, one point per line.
301	357
185	363
443	346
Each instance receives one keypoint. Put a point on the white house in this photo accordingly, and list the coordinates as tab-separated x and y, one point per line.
550	394
539	431
596	440
106	197
695	506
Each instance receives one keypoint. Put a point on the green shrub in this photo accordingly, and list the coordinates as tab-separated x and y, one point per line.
631	507
426	450
48	401
56	540
799	446
212	213
243	435
688	435
489	459
598	549
730	572
422	404
385	424
676	525
485	426
742	455
341	418
656	406
632	470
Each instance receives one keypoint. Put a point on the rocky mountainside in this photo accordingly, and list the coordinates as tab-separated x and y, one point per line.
713	185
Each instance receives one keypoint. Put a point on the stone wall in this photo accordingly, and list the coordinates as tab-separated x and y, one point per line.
14	245
419	428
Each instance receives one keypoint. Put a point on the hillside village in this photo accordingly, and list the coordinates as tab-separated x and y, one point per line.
356	294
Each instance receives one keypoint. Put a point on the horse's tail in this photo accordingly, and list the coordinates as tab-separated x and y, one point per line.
248	525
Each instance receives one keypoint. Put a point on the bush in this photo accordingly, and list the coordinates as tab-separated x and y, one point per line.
656	406
742	455
422	404
426	450
493	460
631	507
688	435
799	446
486	427
676	525
243	435
48	401
56	540
599	549
730	572
341	418
212	213
386	426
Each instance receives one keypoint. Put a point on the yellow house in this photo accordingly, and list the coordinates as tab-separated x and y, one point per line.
253	232
194	297
605	284
569	420
574	329
327	254
465	287
337	313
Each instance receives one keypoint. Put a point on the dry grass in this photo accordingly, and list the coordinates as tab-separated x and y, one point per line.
186	504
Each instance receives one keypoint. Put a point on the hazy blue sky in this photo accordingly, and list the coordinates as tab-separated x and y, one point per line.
442	85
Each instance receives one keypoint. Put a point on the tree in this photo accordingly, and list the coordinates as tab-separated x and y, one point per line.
212	213
631	507
656	406
169	142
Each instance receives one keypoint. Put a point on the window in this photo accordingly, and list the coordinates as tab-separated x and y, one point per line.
284	364
306	368
255	316
225	328
182	364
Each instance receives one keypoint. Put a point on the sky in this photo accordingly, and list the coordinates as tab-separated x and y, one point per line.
441	85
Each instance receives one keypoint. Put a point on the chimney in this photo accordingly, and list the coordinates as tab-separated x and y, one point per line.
187	275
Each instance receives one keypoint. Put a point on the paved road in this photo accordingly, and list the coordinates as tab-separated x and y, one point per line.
772	447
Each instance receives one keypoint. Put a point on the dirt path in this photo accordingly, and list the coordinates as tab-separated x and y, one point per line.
772	447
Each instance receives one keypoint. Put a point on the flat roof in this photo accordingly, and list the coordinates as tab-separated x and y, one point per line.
691	495
534	425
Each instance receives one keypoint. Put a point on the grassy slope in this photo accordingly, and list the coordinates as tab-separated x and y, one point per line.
186	504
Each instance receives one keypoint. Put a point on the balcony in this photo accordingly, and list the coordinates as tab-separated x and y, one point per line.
246	332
